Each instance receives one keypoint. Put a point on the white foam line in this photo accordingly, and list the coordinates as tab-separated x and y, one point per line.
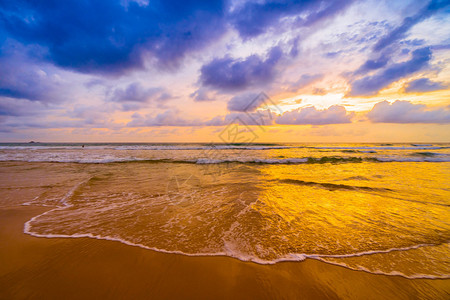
63	201
256	160
296	257
70	193
384	148
370	252
148	147
291	257
441	157
377	272
30	202
287	258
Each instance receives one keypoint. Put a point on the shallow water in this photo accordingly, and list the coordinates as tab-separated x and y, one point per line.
378	208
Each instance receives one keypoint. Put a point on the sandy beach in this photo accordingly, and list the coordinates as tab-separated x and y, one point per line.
43	268
225	149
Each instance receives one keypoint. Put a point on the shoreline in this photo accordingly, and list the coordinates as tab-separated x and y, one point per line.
300	257
36	267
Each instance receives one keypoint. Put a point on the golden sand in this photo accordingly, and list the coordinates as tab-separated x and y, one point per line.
43	268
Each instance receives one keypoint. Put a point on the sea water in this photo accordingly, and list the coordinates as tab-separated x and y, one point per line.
380	208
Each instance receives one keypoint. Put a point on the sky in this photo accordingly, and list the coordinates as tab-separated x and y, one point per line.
197	71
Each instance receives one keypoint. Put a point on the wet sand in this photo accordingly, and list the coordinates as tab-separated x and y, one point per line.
43	268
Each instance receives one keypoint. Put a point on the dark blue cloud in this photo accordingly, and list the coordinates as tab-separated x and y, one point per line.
254	18
230	74
399	32
370	85
413	43
423	85
385	47
441	47
406	112
104	36
23	79
373	64
115	36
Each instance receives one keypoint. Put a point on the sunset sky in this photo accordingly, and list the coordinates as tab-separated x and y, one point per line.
183	71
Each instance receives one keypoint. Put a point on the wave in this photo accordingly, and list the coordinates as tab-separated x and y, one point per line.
206	161
149	147
419	147
208	147
253	161
289	257
430	154
65	204
212	146
333	186
77	160
419	158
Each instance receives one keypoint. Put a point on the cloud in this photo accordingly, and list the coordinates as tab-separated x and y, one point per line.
310	115
423	85
170	117
399	32
406	112
370	85
305	80
441	47
93	116
22	79
105	36
248	102
135	92
33	123
230	74
202	94
135	96
254	18
256	118
373	64
20	107
390	43
22	113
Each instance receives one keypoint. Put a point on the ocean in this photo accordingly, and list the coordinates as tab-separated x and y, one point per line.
379	208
